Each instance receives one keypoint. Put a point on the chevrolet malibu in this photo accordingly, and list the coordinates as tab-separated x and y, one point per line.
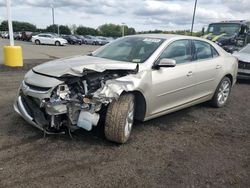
137	77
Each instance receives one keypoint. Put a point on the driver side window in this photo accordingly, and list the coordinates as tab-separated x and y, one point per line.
179	50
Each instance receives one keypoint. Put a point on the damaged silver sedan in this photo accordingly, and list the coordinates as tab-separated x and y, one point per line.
133	78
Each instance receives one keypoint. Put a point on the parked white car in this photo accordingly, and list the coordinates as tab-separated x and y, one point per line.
48	39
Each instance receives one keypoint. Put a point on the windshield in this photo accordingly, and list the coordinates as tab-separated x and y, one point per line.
102	38
130	49
246	49
73	37
227	28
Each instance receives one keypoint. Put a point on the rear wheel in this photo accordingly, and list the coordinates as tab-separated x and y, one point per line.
37	42
222	92
120	118
57	43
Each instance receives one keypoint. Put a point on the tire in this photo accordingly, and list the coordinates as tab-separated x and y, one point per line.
37	42
57	43
222	93
119	119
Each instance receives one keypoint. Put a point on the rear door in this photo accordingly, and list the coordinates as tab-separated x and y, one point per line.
207	68
173	86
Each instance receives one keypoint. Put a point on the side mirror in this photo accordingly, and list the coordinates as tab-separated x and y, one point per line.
164	62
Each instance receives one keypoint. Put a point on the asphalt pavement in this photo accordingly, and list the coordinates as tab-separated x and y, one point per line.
32	51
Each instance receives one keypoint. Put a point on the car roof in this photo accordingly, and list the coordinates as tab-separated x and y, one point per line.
228	22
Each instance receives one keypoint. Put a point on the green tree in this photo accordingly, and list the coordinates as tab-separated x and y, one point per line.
73	28
81	30
113	30
18	26
62	29
130	31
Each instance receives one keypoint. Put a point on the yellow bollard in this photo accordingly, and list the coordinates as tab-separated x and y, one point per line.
13	56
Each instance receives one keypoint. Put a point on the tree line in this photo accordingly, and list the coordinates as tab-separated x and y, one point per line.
107	30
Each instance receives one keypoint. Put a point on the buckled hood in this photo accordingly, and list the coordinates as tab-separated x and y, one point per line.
76	66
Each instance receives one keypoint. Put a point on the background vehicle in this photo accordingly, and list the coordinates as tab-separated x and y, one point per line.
26	36
80	37
17	35
101	41
244	62
231	35
72	39
5	35
44	38
89	40
136	77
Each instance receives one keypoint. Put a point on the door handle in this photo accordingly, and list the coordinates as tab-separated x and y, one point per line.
190	73
218	66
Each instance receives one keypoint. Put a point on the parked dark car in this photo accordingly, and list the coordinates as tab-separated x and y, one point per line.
80	37
26	36
72	39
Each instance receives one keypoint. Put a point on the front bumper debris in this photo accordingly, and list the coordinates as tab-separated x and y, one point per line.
21	108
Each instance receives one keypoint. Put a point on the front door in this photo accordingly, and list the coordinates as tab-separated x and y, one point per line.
173	86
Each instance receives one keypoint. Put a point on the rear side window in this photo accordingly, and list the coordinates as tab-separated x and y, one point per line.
214	52
179	50
202	50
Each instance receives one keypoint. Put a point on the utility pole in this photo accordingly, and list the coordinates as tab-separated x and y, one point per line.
8	2
53	16
192	27
123	29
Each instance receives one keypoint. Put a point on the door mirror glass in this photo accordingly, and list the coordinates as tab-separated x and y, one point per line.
164	62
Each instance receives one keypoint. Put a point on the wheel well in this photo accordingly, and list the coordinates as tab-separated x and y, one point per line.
140	105
57	41
230	77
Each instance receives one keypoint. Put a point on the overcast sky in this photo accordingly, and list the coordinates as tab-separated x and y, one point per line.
140	14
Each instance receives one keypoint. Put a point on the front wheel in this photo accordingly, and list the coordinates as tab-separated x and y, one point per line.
120	118
57	43
37	42
222	92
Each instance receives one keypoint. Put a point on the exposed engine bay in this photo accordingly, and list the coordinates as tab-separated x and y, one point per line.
74	104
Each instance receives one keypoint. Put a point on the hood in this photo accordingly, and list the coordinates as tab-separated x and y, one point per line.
219	37
242	56
76	65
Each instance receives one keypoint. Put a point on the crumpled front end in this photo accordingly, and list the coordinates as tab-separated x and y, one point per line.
55	105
